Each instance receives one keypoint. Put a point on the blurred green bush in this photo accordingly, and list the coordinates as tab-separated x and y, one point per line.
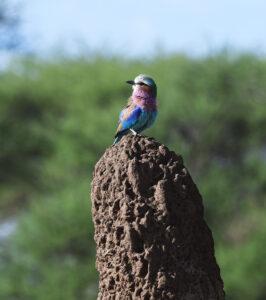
58	117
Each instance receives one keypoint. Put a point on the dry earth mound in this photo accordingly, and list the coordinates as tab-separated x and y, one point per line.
151	237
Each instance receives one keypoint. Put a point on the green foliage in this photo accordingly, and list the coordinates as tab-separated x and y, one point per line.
57	118
52	253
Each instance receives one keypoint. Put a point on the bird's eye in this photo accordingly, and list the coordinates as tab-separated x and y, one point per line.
141	83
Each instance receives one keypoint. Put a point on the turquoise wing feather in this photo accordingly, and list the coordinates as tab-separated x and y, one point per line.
127	119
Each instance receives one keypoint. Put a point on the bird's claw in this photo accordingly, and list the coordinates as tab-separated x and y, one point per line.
133	131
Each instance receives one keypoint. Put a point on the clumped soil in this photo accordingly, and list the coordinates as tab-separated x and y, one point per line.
151	237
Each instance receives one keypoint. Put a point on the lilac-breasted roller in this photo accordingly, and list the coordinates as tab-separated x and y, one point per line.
141	110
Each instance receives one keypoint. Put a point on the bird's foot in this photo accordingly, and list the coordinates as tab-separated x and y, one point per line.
133	131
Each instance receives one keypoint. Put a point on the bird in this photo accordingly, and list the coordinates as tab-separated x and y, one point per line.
141	110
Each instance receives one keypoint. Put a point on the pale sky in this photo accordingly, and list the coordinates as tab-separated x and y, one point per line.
138	27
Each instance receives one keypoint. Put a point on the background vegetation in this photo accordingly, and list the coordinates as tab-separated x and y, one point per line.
58	117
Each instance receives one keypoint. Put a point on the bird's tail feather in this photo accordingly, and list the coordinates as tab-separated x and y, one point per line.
117	139
119	136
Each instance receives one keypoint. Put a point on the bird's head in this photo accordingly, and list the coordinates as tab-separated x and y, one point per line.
144	83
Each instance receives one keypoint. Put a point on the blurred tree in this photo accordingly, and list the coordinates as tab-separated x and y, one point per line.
57	117
9	21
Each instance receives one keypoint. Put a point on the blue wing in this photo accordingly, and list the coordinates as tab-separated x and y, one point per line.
128	118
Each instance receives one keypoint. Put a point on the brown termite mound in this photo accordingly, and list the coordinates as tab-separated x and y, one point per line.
151	238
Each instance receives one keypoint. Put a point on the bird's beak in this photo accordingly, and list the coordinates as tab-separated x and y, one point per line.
130	81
